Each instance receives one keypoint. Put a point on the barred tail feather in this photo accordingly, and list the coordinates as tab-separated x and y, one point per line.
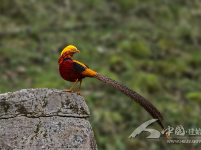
135	96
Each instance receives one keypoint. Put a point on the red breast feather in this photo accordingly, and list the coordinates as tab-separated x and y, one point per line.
67	71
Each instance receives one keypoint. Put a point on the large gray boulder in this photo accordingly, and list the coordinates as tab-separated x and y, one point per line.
36	119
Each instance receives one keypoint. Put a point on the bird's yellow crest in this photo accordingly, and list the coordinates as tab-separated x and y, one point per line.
68	48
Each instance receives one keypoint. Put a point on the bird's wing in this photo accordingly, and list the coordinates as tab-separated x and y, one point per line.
79	67
80	63
83	69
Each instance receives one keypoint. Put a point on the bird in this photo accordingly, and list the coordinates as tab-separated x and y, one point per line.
75	71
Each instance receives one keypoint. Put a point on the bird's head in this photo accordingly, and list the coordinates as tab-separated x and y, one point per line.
68	51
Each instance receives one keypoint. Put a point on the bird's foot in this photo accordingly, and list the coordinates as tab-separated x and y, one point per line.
78	93
72	92
68	91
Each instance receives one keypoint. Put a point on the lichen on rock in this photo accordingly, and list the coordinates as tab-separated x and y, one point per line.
44	119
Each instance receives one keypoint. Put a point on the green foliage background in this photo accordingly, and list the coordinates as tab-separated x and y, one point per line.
152	46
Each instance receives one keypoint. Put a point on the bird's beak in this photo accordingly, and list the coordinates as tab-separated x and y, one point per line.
75	51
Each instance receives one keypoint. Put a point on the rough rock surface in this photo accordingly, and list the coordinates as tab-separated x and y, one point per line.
37	119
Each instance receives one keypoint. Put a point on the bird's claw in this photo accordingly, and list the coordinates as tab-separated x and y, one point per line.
68	91
72	92
78	93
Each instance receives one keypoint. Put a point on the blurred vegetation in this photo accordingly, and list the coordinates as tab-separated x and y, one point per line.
152	46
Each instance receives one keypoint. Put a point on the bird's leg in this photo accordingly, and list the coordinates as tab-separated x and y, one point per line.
71	89
79	88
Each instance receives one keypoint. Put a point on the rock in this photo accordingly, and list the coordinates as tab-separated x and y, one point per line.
37	119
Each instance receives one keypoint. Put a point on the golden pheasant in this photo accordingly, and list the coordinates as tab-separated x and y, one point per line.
74	71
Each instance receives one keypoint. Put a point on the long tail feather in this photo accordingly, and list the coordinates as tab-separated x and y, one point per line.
135	96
